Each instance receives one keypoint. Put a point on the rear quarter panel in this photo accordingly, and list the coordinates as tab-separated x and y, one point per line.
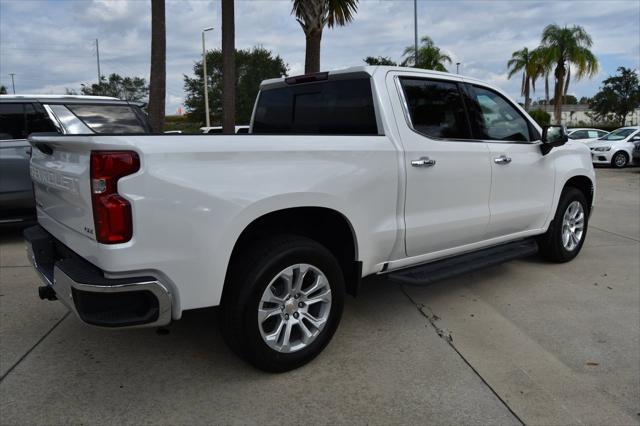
194	195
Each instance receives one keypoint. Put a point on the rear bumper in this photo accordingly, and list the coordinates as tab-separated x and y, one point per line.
83	288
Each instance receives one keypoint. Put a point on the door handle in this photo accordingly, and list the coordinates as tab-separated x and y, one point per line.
503	159
423	162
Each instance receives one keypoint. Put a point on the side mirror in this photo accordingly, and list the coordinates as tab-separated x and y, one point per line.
553	136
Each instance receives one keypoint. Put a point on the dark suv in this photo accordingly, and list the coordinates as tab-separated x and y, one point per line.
21	115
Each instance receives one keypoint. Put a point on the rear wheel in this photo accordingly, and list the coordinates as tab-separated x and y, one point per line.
619	159
283	303
566	234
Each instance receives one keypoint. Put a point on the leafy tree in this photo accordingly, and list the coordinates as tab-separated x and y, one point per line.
541	117
158	74
3	90
127	88
619	96
252	66
568	100
523	60
430	56
584	100
313	15
379	60
228	67
563	47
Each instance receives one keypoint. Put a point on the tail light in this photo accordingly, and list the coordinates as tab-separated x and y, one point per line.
111	212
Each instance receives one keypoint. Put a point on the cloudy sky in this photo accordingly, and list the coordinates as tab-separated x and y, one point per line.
50	45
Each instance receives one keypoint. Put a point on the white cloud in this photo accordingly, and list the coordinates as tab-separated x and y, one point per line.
50	45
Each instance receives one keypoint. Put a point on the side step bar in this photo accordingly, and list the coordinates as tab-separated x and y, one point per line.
439	270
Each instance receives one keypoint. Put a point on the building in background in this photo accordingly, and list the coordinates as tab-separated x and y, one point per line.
581	115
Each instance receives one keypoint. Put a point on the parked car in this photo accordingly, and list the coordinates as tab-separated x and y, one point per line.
217	130
583	135
636	153
616	148
21	115
351	173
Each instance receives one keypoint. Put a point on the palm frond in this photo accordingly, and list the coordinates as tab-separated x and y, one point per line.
341	12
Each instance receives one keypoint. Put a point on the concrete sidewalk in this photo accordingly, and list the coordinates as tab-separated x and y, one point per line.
552	344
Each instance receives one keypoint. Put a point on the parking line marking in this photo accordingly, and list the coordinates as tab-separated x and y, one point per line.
614	233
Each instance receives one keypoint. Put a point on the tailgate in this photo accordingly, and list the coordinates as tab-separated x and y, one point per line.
60	172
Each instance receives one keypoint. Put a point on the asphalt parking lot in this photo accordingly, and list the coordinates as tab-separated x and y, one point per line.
525	342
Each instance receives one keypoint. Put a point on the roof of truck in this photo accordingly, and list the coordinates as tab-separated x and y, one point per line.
371	70
67	99
57	97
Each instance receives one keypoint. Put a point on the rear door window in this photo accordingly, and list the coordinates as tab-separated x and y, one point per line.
37	119
13	124
109	118
436	108
332	107
579	134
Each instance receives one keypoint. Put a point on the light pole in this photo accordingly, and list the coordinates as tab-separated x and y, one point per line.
13	84
458	67
204	78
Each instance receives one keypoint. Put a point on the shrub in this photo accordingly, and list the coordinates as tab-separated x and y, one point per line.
542	118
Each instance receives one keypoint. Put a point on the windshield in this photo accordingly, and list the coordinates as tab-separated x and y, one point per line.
617	135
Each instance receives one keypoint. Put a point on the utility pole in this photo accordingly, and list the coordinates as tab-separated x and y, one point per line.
13	84
457	67
415	33
98	60
204	78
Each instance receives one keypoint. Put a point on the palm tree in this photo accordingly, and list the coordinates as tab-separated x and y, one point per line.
228	68
541	67
564	47
313	15
430	56
158	74
523	60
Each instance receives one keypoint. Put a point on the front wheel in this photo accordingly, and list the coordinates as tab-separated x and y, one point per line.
619	159
566	234
283	303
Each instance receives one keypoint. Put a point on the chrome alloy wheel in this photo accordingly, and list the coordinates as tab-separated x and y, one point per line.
572	226
620	160
294	308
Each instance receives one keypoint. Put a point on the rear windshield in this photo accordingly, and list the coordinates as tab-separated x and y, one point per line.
109	118
333	107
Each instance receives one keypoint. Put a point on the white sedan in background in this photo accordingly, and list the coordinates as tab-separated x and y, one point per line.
585	134
616	148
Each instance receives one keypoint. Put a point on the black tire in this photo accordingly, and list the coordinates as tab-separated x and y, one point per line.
250	274
620	160
550	243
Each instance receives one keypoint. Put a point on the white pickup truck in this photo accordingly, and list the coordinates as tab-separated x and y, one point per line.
414	174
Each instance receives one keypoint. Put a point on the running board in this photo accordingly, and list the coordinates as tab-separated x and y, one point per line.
439	270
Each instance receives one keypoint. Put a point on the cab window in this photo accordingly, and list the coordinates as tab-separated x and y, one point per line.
499	119
436	108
